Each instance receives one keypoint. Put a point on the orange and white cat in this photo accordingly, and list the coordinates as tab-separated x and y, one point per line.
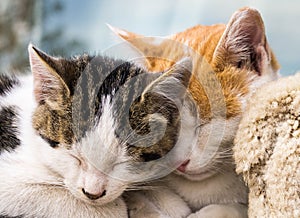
230	62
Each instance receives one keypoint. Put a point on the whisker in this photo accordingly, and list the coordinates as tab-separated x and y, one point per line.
143	187
147	137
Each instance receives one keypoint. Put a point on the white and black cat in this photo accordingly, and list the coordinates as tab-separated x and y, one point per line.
72	134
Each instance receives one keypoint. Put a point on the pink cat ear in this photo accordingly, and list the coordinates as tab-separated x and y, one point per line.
47	82
244	41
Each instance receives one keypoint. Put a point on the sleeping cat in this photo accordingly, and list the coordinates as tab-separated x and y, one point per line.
230	62
72	134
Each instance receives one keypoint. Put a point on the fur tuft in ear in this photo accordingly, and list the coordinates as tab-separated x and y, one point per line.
244	44
47	82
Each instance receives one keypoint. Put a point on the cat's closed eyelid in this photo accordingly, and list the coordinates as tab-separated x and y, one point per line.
52	143
117	164
198	127
122	162
77	158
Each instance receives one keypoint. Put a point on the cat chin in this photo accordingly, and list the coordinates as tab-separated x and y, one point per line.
99	202
196	176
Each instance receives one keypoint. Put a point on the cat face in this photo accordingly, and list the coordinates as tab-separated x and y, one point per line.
102	124
229	62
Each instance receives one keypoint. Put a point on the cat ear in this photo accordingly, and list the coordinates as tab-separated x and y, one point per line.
244	43
150	48
48	85
124	34
174	82
145	45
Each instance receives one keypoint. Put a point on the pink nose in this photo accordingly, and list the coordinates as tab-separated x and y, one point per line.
182	167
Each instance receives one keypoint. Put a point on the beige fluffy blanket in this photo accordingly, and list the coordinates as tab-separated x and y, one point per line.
267	149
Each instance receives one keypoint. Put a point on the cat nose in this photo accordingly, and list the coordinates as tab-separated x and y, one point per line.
183	166
94	196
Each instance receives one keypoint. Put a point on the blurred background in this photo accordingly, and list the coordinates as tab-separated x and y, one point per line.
68	27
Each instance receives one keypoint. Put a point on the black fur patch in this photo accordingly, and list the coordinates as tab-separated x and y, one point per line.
8	129
149	156
7	83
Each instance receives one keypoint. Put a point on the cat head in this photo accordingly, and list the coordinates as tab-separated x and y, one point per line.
230	61
98	121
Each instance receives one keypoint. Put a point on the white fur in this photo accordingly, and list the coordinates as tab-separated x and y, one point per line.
150	203
207	192
219	193
39	181
222	188
200	185
221	211
209	139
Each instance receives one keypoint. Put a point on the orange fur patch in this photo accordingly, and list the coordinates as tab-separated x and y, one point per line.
203	40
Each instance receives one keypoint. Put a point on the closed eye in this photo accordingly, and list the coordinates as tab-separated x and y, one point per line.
122	162
77	158
119	163
52	143
199	127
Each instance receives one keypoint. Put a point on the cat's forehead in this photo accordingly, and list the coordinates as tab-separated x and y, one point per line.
105	84
92	81
99	146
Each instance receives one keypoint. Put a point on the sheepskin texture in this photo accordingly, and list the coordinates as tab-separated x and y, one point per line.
267	149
